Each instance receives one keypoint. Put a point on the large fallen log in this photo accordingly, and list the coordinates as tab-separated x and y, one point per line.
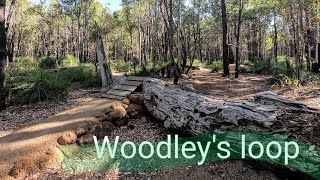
198	114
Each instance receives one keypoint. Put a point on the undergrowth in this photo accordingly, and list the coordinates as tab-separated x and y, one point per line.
30	83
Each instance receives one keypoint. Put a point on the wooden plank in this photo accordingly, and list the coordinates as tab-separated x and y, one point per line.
118	93
112	97
125	88
131	83
135	78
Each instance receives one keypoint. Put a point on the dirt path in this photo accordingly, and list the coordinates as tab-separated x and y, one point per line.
35	147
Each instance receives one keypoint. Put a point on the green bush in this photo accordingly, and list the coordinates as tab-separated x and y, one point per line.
24	64
288	82
123	66
275	69
70	61
46	63
217	66
196	63
86	76
42	86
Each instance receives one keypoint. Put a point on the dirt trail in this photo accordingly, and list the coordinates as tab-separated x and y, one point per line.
35	147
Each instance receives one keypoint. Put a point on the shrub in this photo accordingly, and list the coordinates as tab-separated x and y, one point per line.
24	64
46	63
70	61
43	86
84	75
196	63
288	82
123	66
217	66
272	68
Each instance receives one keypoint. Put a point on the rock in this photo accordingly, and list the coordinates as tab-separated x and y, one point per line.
106	130
136	98
118	111
86	139
125	101
189	88
81	131
95	129
125	106
68	138
122	122
107	110
144	119
135	109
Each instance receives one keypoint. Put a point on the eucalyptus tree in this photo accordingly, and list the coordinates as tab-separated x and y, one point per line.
3	53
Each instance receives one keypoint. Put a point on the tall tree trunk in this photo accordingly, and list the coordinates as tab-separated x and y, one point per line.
275	50
171	43
106	73
3	40
238	40
226	71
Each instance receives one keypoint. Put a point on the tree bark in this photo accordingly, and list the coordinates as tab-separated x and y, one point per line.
226	71
238	40
275	50
106	73
197	114
3	54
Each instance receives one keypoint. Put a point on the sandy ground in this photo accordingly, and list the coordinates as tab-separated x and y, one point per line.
33	144
35	148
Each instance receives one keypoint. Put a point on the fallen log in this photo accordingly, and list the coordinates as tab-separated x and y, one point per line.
197	114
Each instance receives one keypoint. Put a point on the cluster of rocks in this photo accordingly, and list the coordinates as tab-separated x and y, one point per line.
124	113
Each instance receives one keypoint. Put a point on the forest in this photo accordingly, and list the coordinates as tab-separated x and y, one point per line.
64	62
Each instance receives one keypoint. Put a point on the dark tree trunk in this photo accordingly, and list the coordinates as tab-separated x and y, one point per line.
238	40
226	71
3	54
275	38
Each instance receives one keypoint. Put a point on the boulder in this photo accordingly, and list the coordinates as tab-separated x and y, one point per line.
118	112
68	138
135	109
136	98
125	106
82	130
86	139
125	101
122	122
106	129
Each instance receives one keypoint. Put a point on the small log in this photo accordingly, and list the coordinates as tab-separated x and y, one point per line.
197	114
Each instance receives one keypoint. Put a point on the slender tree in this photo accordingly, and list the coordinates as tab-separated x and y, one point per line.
3	40
238	39
226	71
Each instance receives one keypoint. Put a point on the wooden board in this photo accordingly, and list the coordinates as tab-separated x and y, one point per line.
112	97
125	88
119	93
131	83
135	78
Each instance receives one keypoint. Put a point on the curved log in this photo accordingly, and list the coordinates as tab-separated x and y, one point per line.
198	114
